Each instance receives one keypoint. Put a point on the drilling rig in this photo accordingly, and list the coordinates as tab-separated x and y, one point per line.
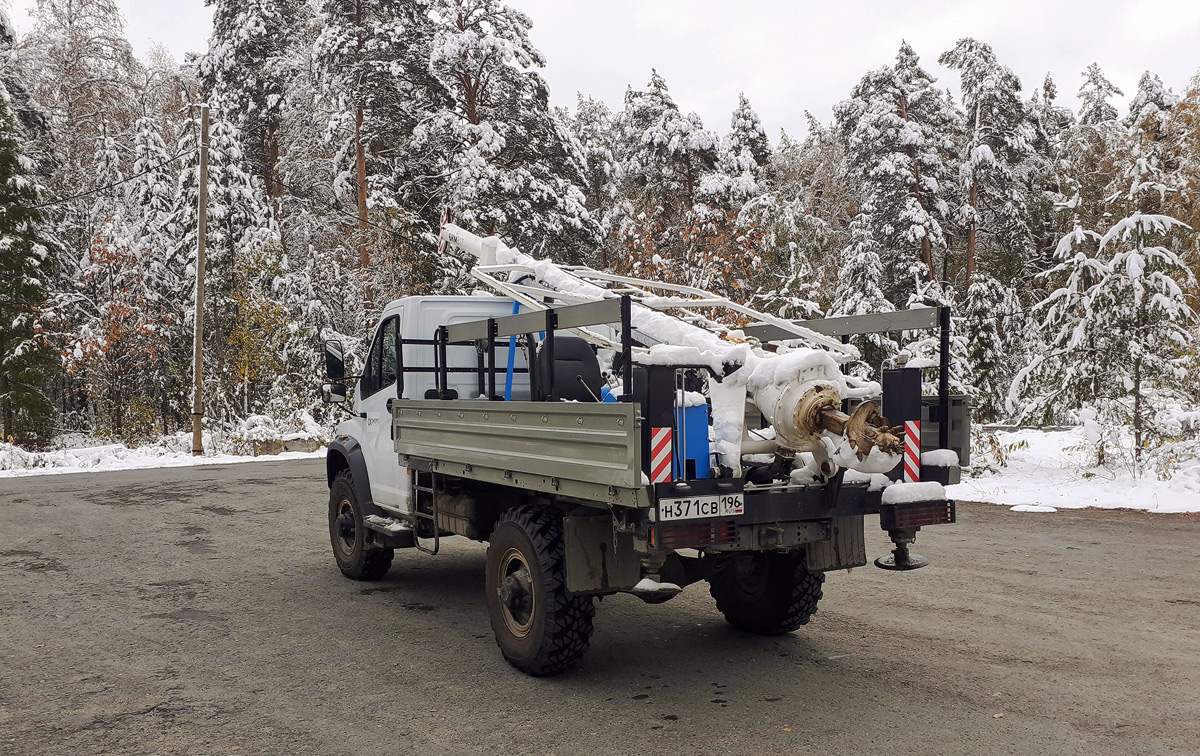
604	434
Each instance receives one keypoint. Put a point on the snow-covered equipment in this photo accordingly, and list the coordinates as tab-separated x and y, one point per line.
798	386
609	434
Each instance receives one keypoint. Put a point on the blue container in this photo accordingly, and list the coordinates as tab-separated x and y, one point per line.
693	423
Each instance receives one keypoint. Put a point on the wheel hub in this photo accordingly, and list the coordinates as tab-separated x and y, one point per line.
345	528
515	590
345	525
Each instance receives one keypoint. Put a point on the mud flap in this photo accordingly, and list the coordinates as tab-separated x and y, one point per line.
599	559
844	548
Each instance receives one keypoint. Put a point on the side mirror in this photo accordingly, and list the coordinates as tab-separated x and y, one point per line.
335	393
335	362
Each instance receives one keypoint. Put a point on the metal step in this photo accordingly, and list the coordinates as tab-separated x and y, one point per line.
396	534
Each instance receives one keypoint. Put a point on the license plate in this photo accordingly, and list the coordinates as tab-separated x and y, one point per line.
696	507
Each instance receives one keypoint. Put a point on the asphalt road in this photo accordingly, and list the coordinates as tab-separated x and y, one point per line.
198	611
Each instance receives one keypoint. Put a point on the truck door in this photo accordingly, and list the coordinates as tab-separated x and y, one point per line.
377	387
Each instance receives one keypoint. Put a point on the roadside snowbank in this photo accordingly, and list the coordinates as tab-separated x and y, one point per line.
171	452
1048	469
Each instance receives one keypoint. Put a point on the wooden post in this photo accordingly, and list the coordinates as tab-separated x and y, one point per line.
201	231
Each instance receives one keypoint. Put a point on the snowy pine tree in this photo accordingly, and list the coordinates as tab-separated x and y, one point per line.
371	62
669	157
999	139
1048	185
245	69
1065	369
164	297
1141	301
1150	106
897	130
512	166
595	128
1094	95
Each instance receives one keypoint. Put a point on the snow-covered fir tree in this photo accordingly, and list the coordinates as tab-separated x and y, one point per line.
1139	300
1150	105
796	220
371	64
858	292
27	260
595	129
670	159
993	326
164	295
748	143
1048	186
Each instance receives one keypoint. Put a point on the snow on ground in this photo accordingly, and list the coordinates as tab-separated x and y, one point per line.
1049	471
15	462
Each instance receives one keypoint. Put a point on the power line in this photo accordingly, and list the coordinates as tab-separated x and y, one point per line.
115	184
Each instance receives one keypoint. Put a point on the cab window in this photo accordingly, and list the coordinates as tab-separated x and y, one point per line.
387	371
380	370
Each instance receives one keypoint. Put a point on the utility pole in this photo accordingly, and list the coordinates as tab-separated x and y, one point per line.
201	231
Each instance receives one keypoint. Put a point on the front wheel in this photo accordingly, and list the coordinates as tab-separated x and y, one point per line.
540	627
356	557
766	593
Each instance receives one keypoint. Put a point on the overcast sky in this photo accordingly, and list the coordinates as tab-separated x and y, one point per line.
789	57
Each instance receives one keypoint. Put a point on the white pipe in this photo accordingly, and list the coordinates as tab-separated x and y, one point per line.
759	445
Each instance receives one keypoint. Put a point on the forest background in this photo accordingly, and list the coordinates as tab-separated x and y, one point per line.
1064	241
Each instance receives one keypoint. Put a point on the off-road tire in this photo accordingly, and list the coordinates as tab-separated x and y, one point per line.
356	557
772	595
557	626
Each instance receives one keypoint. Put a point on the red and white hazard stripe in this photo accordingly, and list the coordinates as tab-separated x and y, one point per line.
912	451
660	455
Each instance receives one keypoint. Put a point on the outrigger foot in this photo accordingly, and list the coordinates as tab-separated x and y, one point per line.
901	559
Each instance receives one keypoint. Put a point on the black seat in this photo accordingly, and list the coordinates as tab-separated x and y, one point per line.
572	357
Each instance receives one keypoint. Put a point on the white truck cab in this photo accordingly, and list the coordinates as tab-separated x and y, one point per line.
416	319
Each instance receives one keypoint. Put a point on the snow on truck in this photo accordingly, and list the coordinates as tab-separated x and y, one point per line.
605	434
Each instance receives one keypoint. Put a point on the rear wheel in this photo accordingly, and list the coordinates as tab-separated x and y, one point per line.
356	557
540	627
766	593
